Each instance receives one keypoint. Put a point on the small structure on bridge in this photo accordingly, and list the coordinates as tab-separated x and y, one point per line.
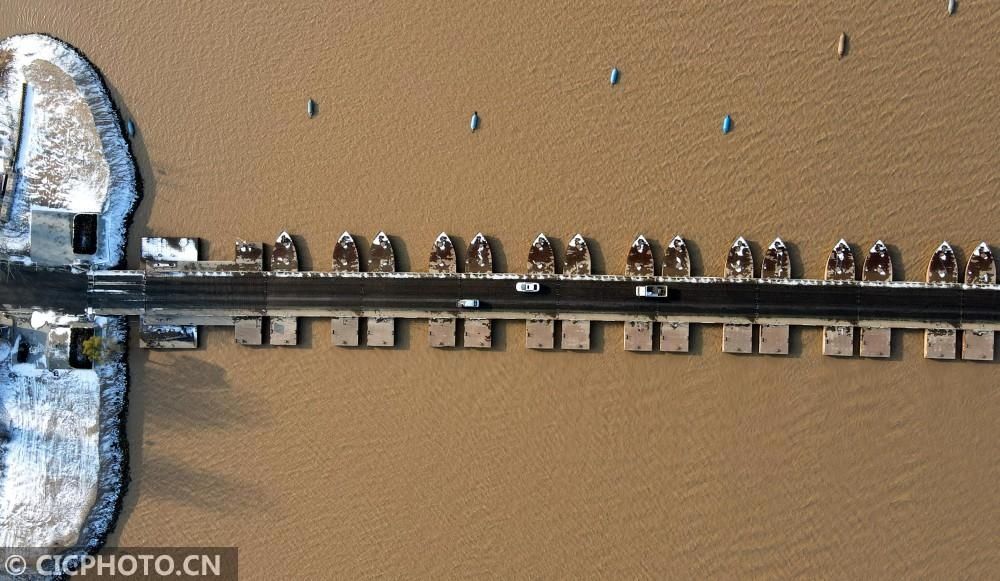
878	267
675	336
576	332
977	344
168	336
942	269
773	338
165	253
344	330
539	333
61	237
479	332
738	337
638	334
441	330
249	255
381	258
838	341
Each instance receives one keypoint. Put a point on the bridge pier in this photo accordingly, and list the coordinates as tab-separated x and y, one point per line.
540	333
441	330
942	269
773	339
345	331
381	258
675	336
249	330
738	337
576	333
977	344
638	334
838	341
284	258
877	342
479	259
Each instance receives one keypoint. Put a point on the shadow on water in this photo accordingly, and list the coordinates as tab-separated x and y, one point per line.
896	346
558	252
305	331
694	258
898	267
499	254
597	339
696	339
305	253
190	395
401	253
598	264
167	479
757	251
797	265
500	329
795	340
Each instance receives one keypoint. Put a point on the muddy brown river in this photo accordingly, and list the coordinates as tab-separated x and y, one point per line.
322	462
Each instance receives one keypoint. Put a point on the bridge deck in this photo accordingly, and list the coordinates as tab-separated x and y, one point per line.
414	295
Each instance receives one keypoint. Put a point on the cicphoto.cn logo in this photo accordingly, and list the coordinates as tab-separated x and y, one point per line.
139	563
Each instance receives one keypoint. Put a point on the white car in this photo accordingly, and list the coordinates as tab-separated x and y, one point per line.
468	304
653	291
527	287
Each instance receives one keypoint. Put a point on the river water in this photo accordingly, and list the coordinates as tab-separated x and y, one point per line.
328	462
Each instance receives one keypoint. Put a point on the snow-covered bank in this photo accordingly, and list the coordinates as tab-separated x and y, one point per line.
62	457
76	155
63	460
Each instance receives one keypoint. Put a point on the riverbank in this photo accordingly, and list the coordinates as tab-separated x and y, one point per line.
63	459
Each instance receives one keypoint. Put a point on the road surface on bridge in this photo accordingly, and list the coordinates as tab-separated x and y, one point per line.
196	296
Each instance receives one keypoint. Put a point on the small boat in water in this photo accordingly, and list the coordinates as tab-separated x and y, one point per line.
676	261
311	108
952	7
345	255
943	266
130	127
982	267
842	45
739	261
541	257
614	76
727	124
285	255
878	263
840	265
577	257
640	258
776	263
474	122
381	257
479	258
442	258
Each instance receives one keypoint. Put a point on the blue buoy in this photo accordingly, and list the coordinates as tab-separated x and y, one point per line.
727	124
614	76
474	123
